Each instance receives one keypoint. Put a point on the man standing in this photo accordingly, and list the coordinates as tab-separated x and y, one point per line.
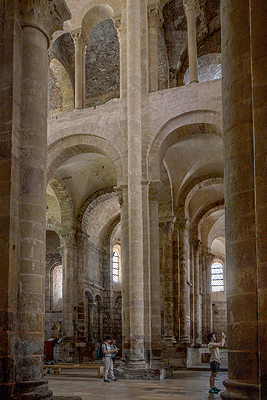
214	359
114	347
107	359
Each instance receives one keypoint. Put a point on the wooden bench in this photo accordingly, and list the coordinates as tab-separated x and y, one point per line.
58	367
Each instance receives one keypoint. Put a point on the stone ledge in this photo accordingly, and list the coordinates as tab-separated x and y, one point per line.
66	398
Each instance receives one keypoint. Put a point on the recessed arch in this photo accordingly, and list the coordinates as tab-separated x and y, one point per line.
194	122
95	15
63	149
215	208
64	83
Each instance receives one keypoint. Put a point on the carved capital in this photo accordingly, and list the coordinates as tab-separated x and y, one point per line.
191	5
119	190
80	38
47	16
155	17
117	24
68	237
196	245
209	259
183	225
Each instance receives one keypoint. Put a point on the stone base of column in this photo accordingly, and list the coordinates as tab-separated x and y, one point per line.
184	340
131	371
175	356
169	340
32	391
240	391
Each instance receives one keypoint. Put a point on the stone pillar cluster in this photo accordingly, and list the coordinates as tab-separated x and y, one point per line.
135	224
168	287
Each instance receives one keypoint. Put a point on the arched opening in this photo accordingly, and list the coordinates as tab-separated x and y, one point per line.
217	280
116	264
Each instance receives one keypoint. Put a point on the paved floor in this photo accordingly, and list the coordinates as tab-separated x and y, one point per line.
184	385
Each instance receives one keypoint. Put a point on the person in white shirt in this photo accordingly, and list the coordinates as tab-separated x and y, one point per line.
107	359
214	347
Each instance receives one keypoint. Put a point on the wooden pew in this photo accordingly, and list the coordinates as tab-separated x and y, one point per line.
58	367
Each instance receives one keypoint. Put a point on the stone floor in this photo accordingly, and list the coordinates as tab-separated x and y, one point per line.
184	385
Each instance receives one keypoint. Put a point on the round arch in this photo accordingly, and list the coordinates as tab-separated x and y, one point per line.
64	83
183	125
63	149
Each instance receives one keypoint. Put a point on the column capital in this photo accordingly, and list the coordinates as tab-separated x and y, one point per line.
68	236
79	37
155	16
120	190
182	223
118	25
167	226
196	243
47	16
191	5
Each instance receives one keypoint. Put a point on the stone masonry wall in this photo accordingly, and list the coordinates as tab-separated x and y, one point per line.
55	96
102	68
163	63
219	317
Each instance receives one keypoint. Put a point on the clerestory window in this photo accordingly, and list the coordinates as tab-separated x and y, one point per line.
217	283
115	266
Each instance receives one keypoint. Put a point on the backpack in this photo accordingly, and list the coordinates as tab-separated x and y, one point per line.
99	351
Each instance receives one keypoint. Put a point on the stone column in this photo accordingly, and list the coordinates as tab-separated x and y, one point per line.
39	20
203	290
10	97
155	356
183	266
197	309
259	94
68	268
167	276
137	360
79	295
80	43
244	96
153	26
191	8
122	192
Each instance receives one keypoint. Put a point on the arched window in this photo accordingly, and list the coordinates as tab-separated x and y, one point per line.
56	288
115	266
217	277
